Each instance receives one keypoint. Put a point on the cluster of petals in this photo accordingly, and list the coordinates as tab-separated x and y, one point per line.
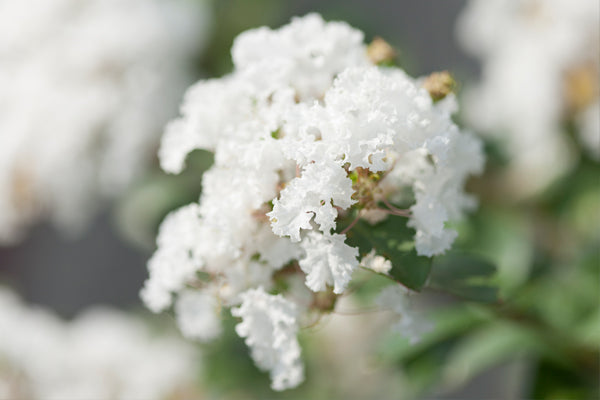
86	88
540	64
303	109
269	325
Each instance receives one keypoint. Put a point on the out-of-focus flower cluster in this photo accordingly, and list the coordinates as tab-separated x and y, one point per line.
540	71
307	132
101	354
85	88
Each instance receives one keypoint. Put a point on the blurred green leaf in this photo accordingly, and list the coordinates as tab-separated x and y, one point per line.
504	237
449	322
393	240
488	346
552	381
568	296
423	371
423	362
366	285
588	331
468	277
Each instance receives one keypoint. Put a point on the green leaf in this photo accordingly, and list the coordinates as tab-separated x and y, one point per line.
466	276
393	240
554	381
424	362
488	346
449	322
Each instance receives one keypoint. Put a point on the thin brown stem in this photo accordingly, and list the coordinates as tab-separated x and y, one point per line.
396	210
391	212
314	323
359	312
346	229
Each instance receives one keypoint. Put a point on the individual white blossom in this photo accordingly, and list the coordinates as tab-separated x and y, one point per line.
269	327
377	263
328	261
99	355
411	323
86	89
306	131
314	194
540	64
373	216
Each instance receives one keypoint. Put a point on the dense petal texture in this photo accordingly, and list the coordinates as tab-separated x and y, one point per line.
328	261
269	327
306	132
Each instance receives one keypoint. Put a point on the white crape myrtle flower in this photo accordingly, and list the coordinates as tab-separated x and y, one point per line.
540	66
411	323
328	261
101	354
86	87
299	130
377	263
314	194
269	327
175	262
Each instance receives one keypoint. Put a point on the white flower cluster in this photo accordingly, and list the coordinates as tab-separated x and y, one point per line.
540	64
303	112
102	354
85	88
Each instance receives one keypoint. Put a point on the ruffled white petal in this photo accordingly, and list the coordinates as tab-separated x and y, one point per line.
269	326
327	261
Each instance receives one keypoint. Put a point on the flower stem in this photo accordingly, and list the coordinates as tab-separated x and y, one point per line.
395	210
346	229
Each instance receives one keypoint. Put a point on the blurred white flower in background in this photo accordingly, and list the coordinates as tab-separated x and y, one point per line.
85	88
347	346
304	128
411	323
540	68
102	354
